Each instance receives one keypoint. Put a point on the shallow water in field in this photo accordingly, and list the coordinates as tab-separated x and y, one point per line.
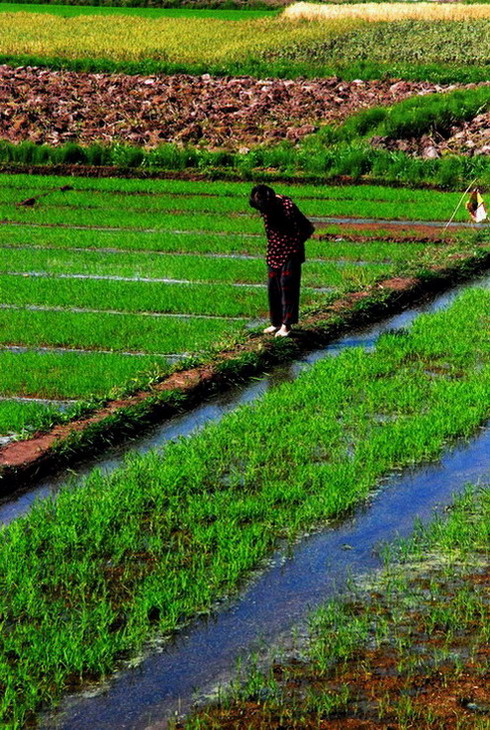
295	580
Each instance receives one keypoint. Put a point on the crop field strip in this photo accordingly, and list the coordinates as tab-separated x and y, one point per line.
123	211
212	507
59	376
134	43
68	11
35	184
183	268
59	290
116	245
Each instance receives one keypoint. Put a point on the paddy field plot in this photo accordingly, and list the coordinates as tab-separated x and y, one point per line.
88	575
114	280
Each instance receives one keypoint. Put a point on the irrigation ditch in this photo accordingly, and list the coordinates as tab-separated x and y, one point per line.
111	422
293	582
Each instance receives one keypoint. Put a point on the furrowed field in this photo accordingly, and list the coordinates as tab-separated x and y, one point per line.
238	469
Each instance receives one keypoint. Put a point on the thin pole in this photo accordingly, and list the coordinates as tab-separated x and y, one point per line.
459	204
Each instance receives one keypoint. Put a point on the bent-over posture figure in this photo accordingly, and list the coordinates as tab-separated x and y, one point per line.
286	229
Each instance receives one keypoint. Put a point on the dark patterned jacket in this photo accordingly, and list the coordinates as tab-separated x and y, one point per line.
286	233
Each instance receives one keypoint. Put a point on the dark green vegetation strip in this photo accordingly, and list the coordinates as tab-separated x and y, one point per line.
407	648
137	9
88	576
221	9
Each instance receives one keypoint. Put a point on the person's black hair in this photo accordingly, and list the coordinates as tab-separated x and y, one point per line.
262	198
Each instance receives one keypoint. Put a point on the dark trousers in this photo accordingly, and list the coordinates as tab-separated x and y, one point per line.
283	287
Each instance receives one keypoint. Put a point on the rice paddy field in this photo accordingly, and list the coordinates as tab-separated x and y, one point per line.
133	283
197	515
115	280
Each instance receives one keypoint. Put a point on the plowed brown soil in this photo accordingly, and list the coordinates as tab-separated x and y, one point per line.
56	107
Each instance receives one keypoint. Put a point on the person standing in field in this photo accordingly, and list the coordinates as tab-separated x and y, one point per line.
286	229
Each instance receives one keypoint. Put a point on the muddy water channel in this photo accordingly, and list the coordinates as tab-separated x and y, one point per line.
295	580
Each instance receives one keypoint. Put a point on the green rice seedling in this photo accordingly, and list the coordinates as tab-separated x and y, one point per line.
14	187
133	296
16	416
183	268
325	201
70	374
145	203
124	332
120	219
164	241
232	244
244	222
173	530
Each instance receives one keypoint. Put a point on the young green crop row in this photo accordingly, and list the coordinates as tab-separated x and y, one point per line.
121	332
216	199
87	575
16	416
125	242
64	375
246	221
14	188
191	268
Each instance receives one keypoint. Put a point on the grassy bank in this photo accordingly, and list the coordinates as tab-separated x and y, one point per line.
162	538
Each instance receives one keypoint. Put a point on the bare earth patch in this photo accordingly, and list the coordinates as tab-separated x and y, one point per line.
234	113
